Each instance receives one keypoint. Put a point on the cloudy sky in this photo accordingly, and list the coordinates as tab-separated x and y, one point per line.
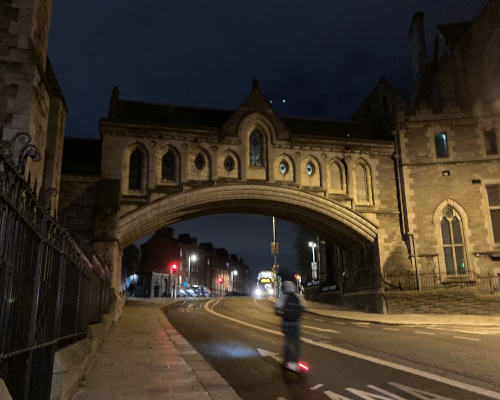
322	56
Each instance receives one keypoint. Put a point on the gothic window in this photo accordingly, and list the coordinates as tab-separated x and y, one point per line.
255	149
135	172
168	167
363	184
494	202
284	167
441	142
490	141
229	164
453	243
199	162
310	169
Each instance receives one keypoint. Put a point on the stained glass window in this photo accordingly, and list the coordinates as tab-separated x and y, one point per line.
453	243
255	149
135	172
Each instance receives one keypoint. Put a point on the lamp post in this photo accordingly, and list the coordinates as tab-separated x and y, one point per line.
233	274
190	257
314	267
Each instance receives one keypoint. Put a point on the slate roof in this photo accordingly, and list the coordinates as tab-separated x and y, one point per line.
192	117
81	155
454	32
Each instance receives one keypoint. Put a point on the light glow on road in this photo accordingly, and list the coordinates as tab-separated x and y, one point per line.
389	364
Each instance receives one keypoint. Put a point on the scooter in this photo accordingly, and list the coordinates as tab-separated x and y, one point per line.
300	371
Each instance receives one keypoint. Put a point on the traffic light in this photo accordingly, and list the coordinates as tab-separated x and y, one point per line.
174	268
220	280
297	277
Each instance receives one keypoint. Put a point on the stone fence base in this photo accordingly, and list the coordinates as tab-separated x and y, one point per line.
442	302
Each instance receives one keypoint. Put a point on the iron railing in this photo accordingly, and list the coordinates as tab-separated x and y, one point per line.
50	290
484	284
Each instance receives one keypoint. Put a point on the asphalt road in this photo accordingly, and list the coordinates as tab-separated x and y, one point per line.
241	338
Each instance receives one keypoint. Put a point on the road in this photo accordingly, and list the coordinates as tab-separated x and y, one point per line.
241	338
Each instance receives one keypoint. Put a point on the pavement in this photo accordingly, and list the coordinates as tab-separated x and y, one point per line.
144	358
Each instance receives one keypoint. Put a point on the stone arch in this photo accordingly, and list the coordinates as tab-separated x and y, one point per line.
310	179
463	217
226	170
127	154
279	176
362	182
325	216
337	176
199	165
160	154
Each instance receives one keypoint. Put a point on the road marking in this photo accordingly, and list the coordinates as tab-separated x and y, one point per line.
317	386
320	320
305	317
320	329
425	333
466	338
339	323
388	364
391	329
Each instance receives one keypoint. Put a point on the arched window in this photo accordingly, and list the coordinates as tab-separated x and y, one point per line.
441	142
337	183
363	184
453	243
168	166
255	149
135	171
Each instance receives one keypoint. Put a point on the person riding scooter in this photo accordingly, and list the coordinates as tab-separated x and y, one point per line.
290	307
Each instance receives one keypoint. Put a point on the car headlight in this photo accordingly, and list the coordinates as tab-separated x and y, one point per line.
258	292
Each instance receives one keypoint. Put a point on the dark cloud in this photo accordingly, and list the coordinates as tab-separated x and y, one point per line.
323	57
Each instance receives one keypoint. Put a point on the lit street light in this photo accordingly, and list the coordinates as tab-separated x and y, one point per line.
314	267
191	257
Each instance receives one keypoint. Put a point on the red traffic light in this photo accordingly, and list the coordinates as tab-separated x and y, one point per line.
174	267
220	280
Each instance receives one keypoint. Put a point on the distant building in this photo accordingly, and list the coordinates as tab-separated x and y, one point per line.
160	252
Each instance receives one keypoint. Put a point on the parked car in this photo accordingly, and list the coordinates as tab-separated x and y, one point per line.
201	291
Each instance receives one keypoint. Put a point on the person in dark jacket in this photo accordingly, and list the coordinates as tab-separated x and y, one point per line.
290	307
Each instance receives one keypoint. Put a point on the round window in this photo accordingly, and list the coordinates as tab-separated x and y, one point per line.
284	168
310	169
229	164
199	161
448	212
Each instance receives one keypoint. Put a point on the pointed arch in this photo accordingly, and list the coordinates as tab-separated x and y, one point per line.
284	168
451	222
310	171
167	166
363	183
337	176
134	171
199	165
255	149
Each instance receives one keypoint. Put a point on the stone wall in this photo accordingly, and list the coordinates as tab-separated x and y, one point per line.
442	302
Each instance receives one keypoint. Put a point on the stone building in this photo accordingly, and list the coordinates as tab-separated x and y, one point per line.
31	100
447	155
162	250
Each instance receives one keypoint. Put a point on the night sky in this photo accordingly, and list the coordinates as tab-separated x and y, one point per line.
322	57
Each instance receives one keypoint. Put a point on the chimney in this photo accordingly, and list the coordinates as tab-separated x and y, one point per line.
417	43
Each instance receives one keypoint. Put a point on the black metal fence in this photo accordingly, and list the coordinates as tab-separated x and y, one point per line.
484	284
50	290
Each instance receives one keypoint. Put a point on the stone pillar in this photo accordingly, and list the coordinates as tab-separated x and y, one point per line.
106	241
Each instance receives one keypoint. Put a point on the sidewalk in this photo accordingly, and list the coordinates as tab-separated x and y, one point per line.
403	319
144	358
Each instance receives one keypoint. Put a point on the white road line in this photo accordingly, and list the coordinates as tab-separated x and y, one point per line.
466	338
305	317
388	364
339	323
320	320
316	386
319	329
425	333
391	329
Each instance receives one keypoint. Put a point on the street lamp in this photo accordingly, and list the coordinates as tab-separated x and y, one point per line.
233	274
191	257
314	267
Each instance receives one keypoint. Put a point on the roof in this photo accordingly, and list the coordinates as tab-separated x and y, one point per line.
81	155
452	33
193	117
165	114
